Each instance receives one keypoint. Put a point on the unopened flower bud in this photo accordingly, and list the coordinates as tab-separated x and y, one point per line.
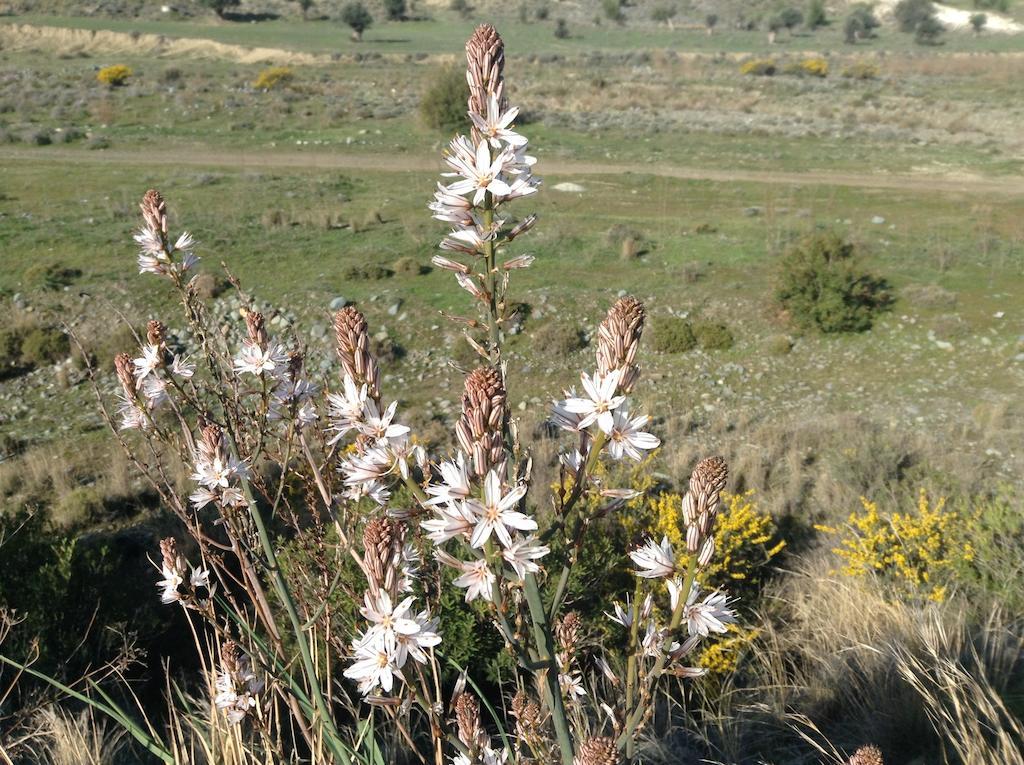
353	348
125	374
156	332
598	750
154	212
618	340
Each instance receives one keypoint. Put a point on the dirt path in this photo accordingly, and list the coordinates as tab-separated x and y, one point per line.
553	170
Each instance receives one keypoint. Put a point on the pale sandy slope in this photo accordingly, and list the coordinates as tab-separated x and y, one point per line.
959	19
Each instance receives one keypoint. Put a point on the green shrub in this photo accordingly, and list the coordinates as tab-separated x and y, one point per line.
51	276
861	70
368	272
10	351
613	10
461	7
816	15
395	9
713	336
822	287
79	507
779	345
409	266
558	338
561	29
443	106
44	345
671	334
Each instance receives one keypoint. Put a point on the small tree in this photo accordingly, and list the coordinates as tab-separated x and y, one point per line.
775	23
356	16
304	6
561	29
791	18
220	6
709	23
461	7
613	10
395	9
861	23
910	13
664	14
928	31
444	104
816	16
978	21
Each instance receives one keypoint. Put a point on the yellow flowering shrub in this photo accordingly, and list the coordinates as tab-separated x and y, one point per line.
115	75
815	67
762	67
722	657
745	538
861	70
274	77
920	551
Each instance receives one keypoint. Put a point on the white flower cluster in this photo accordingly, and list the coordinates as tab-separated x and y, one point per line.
383	447
291	396
395	634
238	686
173	586
475	520
710	615
156	253
494	171
605	407
217	472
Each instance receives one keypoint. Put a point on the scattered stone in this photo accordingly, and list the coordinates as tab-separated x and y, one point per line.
878	220
752	212
394	308
574	188
338	303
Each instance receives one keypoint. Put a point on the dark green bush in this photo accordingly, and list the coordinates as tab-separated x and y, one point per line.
821	286
44	345
444	104
357	18
51	276
713	336
368	272
670	334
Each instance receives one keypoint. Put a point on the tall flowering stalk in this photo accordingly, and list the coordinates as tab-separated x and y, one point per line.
272	458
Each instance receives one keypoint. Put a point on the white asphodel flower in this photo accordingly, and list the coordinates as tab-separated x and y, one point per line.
258	361
476	578
150	360
710	615
626	439
374	666
496	125
452	521
413	644
388	621
379	426
495	514
480	175
523	555
654	560
455	483
600	402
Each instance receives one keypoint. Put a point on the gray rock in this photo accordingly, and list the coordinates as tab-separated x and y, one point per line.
338	303
752	212
878	220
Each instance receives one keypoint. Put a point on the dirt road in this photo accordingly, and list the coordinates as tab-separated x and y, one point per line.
552	170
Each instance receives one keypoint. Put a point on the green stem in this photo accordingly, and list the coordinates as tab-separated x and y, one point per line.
492	282
627	738
546	649
326	722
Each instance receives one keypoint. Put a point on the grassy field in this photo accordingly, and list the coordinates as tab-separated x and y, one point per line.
668	174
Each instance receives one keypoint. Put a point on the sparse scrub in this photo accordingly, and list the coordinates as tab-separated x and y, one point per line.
861	70
822	286
395	9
